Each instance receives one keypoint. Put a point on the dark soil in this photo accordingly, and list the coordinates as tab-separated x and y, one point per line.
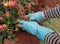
26	38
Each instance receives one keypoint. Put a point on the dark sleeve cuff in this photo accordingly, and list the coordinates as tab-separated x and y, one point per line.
52	13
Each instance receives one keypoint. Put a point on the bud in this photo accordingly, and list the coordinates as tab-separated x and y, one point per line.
32	11
7	14
7	42
29	4
4	26
1	18
9	36
1	27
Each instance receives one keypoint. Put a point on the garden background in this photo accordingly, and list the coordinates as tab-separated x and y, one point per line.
13	10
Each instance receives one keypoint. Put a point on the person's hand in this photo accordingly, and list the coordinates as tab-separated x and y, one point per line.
24	17
35	29
36	16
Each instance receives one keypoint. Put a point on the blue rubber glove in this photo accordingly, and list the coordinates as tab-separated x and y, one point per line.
36	16
35	29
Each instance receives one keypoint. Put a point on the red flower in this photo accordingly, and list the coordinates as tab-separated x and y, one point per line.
29	4
12	3
7	14
1	18
37	2
4	26
7	42
32	11
1	27
9	36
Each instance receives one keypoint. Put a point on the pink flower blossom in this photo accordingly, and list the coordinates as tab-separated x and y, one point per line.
7	14
12	3
1	18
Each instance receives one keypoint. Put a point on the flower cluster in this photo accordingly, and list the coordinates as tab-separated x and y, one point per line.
10	12
8	18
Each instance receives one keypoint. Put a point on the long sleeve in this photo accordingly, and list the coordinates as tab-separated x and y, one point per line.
52	38
42	32
35	29
52	13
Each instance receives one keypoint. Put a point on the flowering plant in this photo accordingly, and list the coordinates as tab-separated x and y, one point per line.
8	19
10	12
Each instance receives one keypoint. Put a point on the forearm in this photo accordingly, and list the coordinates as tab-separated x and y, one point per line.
42	32
52	39
51	13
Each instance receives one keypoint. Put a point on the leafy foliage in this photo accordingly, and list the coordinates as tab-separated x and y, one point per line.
10	12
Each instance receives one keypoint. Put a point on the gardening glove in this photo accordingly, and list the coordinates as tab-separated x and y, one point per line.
36	16
35	29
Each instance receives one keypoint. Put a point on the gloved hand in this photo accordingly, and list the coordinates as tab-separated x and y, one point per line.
35	29
36	16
